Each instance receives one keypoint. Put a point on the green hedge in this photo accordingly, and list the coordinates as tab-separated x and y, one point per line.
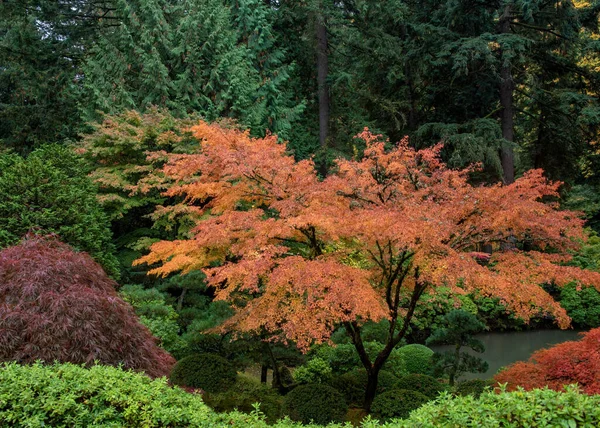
67	395
424	384
537	408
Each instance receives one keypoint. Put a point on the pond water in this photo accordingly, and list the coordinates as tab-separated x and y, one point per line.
502	349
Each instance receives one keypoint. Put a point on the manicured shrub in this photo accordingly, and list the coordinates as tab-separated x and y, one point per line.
537	408
417	358
244	394
424	384
353	384
562	364
314	371
211	372
474	387
67	395
60	305
315	402
397	403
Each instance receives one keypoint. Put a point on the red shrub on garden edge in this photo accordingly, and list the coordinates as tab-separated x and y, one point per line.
57	304
566	363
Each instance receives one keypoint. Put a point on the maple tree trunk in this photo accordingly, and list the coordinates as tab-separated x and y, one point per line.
264	369
322	71
507	156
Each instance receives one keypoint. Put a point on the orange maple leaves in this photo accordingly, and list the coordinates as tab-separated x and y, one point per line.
297	255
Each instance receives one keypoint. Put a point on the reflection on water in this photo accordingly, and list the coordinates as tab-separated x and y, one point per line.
502	349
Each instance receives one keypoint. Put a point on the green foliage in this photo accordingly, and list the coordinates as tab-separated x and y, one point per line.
210	372
582	305
540	407
316	403
67	395
49	192
156	314
353	384
461	326
474	387
589	256
315	370
424	384
417	358
243	395
397	403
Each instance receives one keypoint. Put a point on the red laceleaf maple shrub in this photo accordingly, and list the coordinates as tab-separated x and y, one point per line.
298	256
563	364
57	304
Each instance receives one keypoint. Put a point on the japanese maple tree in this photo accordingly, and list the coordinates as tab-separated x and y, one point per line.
298	256
59	305
562	364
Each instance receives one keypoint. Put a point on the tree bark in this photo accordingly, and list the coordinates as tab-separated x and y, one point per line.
507	86
322	71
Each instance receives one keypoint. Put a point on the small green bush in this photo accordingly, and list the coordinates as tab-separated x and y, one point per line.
537	408
210	372
474	387
397	403
424	384
314	371
417	358
315	402
353	384
67	395
244	394
343	358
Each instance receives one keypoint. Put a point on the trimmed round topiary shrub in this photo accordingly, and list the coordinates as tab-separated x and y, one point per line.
424	384
353	384
211	372
315	402
472	387
397	403
417	358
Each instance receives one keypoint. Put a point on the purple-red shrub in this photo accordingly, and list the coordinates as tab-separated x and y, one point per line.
57	304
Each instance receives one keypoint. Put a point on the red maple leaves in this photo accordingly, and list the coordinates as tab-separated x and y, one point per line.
563	364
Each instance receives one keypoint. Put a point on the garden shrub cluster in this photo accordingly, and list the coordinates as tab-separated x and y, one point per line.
316	403
397	403
210	372
315	370
67	395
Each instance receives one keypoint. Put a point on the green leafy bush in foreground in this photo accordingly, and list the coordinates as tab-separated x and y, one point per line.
67	395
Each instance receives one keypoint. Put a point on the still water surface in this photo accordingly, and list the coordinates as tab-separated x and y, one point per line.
502	349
